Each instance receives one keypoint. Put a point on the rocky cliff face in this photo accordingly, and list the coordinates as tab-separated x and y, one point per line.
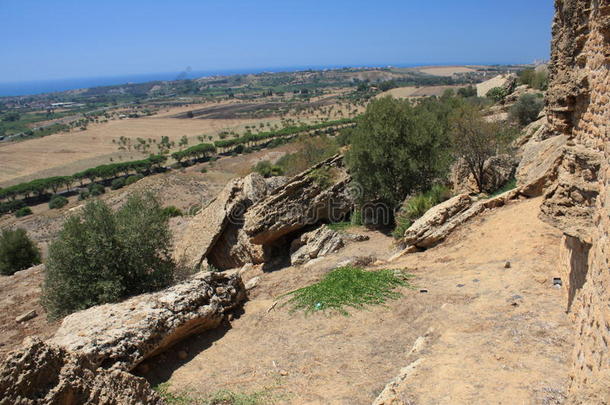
579	200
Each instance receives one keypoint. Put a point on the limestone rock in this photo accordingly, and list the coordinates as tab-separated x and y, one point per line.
302	202
276	182
40	373
435	224
538	167
121	335
317	243
218	224
439	221
569	204
498	170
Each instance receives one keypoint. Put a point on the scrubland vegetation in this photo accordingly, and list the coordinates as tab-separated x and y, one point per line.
102	256
17	251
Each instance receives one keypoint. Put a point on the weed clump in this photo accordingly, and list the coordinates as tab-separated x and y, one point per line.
348	287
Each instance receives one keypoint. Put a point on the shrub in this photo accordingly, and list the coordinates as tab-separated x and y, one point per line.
11	206
58	201
266	169
416	206
96	189
171	211
23	211
83	195
132	179
204	170
102	256
323	177
117	183
526	109
17	251
497	94
398	148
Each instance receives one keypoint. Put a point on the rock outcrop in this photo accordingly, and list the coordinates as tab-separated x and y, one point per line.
302	202
40	373
441	220
218	226
498	170
539	162
314	244
119	336
579	201
253	220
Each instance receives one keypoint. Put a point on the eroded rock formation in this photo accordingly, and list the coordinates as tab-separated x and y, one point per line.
42	373
302	202
579	201
254	220
121	335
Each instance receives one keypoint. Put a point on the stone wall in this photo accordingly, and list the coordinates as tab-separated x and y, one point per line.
578	105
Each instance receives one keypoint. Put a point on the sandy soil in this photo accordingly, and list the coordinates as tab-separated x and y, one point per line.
498	335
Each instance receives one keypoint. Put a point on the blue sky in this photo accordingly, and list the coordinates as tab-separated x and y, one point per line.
41	40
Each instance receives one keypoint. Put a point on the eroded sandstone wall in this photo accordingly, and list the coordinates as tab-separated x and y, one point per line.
578	105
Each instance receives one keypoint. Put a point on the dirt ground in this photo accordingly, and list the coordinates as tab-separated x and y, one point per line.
497	335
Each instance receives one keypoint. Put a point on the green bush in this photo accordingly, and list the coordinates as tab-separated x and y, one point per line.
117	183
132	179
96	189
526	109
171	211
83	195
323	177
535	79
204	170
58	201
17	251
497	94
23	211
416	206
266	169
102	256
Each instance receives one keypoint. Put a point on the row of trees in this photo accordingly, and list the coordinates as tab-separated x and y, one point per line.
40	187
194	152
250	139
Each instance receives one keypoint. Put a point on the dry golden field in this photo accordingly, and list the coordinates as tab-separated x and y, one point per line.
67	153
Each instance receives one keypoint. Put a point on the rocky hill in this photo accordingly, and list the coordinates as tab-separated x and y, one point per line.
508	301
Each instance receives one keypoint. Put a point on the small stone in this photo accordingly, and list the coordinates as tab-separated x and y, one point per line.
230	317
507	265
253	282
182	355
26	316
283	372
460	285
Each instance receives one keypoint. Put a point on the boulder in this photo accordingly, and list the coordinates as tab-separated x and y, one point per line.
317	243
498	170
569	203
40	373
121	335
302	202
206	229
538	167
441	220
437	222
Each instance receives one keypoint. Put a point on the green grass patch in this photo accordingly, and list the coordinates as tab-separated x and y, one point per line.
512	183
340	226
348	287
222	397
